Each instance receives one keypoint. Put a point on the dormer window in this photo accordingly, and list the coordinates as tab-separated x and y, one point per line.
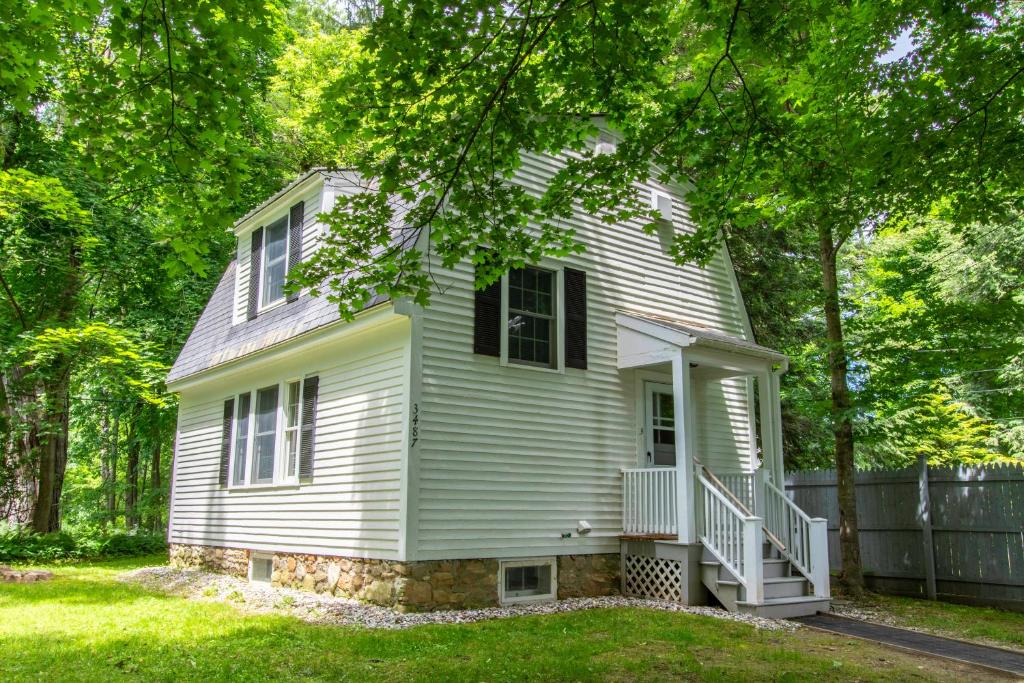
275	249
275	262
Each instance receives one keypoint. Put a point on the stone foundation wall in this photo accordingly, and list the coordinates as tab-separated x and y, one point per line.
588	576
413	586
233	561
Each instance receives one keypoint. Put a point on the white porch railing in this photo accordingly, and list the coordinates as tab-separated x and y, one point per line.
734	538
741	484
649	501
740	512
805	540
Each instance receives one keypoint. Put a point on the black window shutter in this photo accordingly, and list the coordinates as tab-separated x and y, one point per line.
225	446
575	319
487	320
295	240
255	259
310	389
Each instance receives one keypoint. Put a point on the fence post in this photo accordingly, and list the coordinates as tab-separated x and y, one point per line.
924	514
819	558
753	559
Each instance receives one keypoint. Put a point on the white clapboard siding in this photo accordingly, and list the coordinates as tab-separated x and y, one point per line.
723	429
312	208
352	506
510	458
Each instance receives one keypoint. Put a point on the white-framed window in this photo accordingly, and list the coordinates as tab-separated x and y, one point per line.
267	435
261	567
274	263
532	318
527	580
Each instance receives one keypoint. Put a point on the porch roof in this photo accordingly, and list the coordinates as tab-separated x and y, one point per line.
644	339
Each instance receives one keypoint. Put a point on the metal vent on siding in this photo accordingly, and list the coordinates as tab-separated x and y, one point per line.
662	204
605	144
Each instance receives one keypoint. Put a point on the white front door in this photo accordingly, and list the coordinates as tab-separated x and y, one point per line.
660	425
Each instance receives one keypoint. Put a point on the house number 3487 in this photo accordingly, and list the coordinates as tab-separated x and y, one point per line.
415	423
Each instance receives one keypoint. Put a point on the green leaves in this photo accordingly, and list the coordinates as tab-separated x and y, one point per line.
105	353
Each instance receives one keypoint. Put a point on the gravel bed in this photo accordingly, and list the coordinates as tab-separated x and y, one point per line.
864	612
326	609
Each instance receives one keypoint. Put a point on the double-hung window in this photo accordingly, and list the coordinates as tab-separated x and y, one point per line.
532	322
275	262
268	429
533	318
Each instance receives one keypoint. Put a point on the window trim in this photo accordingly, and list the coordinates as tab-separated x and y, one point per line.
558	347
260	307
281	479
551	595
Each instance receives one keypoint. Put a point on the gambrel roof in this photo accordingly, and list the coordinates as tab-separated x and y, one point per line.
215	341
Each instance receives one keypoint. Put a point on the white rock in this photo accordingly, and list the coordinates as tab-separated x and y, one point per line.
326	609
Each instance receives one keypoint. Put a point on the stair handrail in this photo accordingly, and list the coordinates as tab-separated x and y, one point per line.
737	502
807	537
734	539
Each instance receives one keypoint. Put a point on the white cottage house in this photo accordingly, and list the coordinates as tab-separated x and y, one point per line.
583	427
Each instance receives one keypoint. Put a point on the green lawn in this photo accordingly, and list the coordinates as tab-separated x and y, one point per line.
982	624
85	625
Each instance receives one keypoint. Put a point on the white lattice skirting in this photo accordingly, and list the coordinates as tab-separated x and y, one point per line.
651	577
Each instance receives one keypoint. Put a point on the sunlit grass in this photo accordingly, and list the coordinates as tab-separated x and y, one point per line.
85	625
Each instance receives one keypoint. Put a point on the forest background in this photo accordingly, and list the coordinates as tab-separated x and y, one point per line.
132	134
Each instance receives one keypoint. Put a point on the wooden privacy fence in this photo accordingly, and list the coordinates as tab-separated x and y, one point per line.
953	532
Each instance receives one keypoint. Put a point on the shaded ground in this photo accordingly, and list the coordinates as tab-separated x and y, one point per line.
86	625
984	625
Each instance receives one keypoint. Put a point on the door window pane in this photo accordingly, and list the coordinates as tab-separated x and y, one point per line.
266	434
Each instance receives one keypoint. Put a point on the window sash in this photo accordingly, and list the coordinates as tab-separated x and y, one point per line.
267	435
241	432
274	261
293	429
536	308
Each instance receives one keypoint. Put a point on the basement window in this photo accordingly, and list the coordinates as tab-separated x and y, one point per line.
261	568
527	580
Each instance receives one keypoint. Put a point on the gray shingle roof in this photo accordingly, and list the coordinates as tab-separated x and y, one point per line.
215	341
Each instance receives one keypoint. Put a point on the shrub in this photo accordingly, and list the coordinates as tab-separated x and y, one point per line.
18	544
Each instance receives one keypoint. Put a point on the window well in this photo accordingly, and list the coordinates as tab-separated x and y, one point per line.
523	580
261	568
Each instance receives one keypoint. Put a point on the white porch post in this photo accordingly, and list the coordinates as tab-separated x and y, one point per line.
682	399
776	394
766	406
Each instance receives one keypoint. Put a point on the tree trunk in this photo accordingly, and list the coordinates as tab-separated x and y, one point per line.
106	483
131	496
115	454
17	448
156	519
852	577
52	455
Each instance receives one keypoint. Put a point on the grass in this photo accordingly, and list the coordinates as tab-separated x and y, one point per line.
86	626
982	624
